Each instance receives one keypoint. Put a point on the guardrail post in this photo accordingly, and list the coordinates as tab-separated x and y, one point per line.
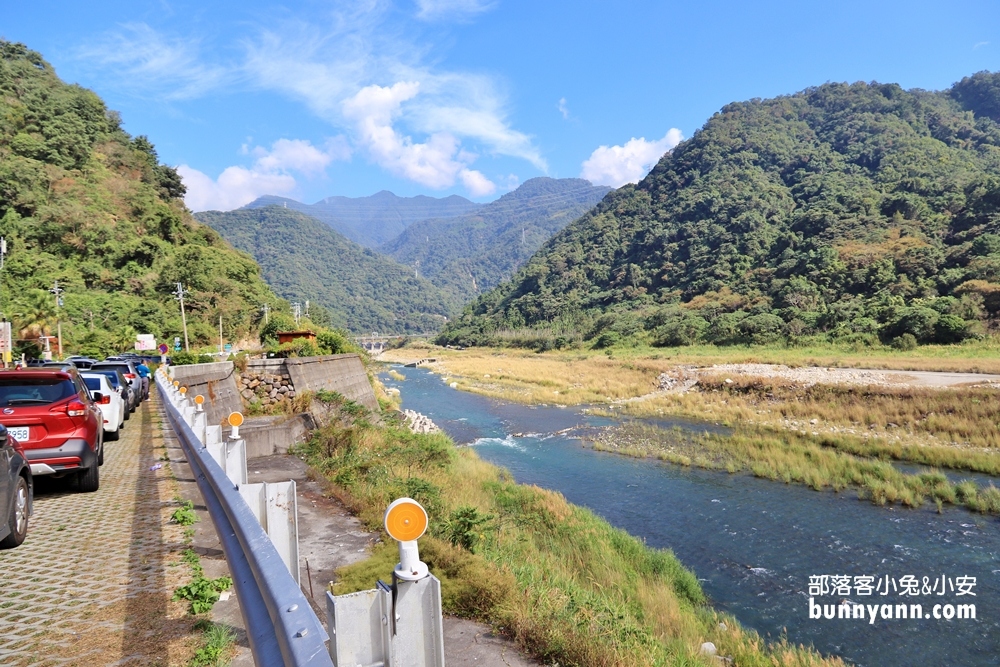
276	507
398	625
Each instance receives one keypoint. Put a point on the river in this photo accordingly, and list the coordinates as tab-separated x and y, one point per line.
753	543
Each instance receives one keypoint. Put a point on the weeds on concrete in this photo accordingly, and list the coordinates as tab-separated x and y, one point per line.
184	515
202	592
219	644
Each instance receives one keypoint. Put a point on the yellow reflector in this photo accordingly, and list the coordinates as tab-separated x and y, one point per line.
405	520
235	419
199	399
177	383
183	390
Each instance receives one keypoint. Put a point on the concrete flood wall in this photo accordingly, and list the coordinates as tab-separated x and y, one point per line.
221	384
342	373
216	382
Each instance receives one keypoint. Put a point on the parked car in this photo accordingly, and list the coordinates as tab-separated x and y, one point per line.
110	402
16	491
127	369
82	363
51	414
120	385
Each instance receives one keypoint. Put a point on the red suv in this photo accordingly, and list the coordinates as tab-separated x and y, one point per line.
51	413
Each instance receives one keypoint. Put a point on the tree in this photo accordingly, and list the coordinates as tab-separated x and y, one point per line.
35	315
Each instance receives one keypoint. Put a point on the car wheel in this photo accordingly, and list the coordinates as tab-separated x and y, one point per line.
100	454
110	435
127	414
18	521
89	480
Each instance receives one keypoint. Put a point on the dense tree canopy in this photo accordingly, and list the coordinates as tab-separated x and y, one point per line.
858	211
87	205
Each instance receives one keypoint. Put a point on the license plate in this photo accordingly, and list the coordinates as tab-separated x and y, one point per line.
20	433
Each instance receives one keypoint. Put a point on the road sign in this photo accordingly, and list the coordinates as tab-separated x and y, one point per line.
163	348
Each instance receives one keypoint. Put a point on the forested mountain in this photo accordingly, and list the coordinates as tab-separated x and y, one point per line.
471	253
85	204
302	258
854	212
372	221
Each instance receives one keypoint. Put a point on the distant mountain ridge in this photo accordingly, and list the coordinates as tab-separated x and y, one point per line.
372	221
303	258
471	253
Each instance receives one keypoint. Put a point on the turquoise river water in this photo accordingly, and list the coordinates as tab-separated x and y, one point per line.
754	543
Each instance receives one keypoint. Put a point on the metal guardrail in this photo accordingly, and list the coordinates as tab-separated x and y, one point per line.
281	626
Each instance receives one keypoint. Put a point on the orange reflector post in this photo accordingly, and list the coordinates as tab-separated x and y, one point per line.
199	399
405	520
183	390
235	419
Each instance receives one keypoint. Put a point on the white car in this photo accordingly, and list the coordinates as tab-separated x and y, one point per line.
110	401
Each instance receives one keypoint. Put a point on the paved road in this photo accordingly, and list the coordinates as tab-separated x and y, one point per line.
91	585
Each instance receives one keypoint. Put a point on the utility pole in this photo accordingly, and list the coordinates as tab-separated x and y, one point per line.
266	308
297	312
307	308
221	344
416	269
179	295
5	326
59	302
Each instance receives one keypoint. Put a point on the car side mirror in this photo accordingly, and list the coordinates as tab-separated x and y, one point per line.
97	396
3	436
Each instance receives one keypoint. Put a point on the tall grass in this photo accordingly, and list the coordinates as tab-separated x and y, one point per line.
801	459
565	584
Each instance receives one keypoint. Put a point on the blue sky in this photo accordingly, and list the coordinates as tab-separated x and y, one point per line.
467	97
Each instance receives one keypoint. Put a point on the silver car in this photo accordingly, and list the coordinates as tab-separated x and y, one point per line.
16	492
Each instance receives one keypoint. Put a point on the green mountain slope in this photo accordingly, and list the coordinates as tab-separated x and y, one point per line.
87	205
302	258
846	211
469	254
372	221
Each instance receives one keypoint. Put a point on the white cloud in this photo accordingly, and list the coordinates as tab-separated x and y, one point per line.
300	155
269	174
563	109
436	162
618	165
477	184
235	187
451	9
152	64
336	65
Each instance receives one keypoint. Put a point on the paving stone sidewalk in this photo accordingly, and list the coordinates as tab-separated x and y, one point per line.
92	583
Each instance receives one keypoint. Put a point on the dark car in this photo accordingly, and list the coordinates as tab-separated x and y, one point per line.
127	368
16	491
59	426
83	363
121	385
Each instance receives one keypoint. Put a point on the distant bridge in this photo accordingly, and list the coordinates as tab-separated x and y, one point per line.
374	343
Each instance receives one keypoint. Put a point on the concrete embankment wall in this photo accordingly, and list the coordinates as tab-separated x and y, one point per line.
220	383
342	373
217	383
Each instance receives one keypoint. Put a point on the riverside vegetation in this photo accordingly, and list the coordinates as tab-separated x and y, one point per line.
822	436
562	582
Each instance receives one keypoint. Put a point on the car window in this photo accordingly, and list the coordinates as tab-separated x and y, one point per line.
34	391
93	384
112	378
